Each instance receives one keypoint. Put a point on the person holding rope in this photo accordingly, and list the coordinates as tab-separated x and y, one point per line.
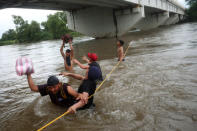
69	54
74	108
89	81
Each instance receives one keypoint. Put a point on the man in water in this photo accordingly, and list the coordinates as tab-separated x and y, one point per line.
60	93
120	50
88	85
68	55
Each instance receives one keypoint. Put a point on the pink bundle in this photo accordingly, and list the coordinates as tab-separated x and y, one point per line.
24	66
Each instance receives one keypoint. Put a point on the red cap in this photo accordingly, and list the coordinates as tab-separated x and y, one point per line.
92	56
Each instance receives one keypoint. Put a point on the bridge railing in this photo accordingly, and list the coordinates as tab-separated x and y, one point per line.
163	5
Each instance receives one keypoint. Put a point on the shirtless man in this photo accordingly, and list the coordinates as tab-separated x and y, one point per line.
68	55
120	50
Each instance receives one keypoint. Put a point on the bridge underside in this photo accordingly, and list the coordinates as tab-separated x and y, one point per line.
62	4
107	18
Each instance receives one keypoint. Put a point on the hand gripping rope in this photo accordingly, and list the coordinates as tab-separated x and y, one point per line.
107	76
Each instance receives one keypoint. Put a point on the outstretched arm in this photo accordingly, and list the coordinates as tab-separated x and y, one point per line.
72	92
76	76
80	65
32	86
61	49
86	59
77	95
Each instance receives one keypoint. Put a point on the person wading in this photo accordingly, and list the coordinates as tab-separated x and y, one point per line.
89	81
61	94
69	54
120	50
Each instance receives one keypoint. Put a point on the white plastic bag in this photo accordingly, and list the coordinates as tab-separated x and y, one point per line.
24	66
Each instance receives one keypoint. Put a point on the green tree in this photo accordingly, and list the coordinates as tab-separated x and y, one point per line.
33	32
190	2
27	32
56	25
53	28
192	11
9	35
21	28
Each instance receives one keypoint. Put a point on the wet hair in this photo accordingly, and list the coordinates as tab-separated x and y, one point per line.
121	42
68	51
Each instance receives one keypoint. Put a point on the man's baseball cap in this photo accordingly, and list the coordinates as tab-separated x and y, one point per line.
92	56
52	81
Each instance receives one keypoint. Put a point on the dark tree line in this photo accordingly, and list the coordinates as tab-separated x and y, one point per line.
25	32
192	10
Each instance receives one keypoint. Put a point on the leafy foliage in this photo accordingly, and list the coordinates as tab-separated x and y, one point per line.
27	32
53	28
9	35
192	11
56	25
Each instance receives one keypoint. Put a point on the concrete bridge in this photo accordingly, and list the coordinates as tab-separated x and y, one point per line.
108	18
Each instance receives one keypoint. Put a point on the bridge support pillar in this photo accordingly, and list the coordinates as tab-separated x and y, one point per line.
101	22
173	19
152	21
127	19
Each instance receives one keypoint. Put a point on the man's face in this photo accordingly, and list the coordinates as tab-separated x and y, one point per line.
54	89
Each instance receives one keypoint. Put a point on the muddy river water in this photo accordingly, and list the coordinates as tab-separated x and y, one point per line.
154	89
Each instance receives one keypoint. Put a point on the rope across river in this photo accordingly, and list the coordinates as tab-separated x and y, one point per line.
107	76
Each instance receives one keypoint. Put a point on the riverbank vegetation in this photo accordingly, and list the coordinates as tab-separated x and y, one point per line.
191	12
53	28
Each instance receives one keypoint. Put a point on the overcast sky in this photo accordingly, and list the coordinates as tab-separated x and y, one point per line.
6	20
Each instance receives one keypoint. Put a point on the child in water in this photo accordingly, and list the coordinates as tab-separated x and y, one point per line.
120	50
69	54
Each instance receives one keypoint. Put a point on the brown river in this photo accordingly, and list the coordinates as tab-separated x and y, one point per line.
154	89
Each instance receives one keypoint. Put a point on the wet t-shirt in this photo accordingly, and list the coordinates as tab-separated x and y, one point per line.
97	65
62	97
89	87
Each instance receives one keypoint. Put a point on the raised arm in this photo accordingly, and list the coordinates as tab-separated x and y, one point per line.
32	86
81	65
61	49
71	49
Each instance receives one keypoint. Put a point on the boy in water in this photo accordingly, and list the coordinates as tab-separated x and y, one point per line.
120	50
68	55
